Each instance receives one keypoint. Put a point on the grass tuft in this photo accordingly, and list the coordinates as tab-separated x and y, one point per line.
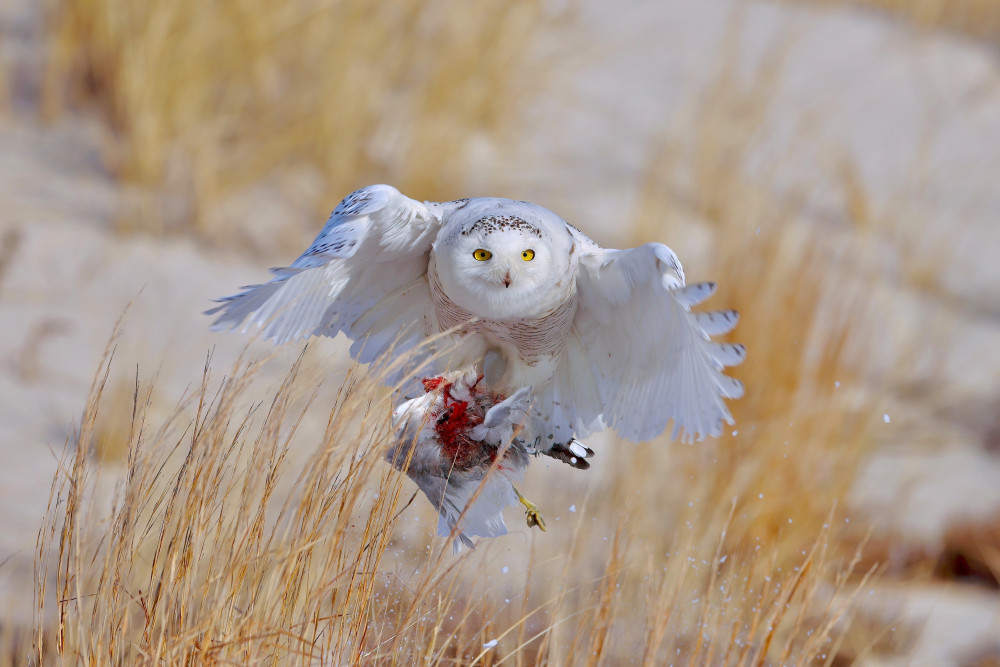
230	539
204	100
808	418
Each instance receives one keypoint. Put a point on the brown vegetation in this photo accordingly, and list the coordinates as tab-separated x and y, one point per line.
206	99
225	546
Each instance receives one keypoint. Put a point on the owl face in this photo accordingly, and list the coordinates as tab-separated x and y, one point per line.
501	267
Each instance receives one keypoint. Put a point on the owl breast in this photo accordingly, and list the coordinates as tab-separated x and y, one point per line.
531	346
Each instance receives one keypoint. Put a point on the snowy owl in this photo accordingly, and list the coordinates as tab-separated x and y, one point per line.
602	338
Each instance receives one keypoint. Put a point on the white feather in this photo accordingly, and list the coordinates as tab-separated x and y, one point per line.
717	322
692	295
363	275
651	360
483	516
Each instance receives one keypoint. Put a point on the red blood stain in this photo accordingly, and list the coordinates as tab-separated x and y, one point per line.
456	419
430	384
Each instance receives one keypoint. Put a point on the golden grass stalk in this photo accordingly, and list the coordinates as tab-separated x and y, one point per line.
204	99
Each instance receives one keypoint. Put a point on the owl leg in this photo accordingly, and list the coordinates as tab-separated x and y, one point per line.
531	511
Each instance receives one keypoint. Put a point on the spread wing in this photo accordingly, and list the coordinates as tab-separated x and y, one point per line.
638	356
364	275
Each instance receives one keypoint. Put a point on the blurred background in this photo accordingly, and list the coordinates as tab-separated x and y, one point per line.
834	165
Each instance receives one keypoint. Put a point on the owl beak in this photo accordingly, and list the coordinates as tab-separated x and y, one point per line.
506	279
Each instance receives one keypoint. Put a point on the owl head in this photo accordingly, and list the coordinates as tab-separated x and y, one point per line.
505	260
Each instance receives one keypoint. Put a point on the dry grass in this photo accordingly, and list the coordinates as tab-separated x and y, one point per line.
25	363
231	541
206	99
979	18
809	416
10	245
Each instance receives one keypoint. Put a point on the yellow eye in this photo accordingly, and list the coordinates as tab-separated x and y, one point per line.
528	255
482	255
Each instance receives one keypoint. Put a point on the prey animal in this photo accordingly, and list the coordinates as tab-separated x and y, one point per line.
458	442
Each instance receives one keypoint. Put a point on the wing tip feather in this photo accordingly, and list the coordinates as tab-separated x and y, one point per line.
692	295
717	322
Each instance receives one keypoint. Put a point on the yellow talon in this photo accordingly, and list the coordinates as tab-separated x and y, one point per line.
534	517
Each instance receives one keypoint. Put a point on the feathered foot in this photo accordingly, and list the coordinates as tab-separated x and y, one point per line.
534	517
573	452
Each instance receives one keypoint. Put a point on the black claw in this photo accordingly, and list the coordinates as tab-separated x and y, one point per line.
562	452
